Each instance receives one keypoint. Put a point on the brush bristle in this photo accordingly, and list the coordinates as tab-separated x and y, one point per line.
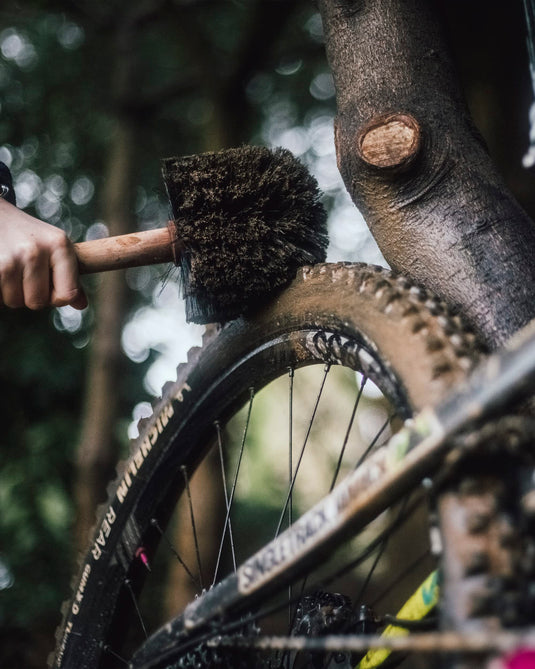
247	218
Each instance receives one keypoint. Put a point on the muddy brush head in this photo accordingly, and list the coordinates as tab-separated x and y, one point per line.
246	220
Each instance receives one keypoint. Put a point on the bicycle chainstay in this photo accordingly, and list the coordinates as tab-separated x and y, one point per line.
317	615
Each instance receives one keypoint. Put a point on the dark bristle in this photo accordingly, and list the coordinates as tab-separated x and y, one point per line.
248	219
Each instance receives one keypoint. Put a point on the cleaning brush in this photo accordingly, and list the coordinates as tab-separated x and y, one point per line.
244	220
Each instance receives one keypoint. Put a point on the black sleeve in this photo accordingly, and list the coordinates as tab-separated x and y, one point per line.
6	184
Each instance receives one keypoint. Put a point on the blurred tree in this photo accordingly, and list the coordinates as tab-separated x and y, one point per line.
92	95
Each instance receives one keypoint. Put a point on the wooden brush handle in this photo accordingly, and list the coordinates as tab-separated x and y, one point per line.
148	247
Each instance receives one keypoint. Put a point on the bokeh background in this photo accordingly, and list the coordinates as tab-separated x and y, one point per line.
92	96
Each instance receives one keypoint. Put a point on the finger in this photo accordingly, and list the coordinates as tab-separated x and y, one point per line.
36	281
64	274
11	286
80	301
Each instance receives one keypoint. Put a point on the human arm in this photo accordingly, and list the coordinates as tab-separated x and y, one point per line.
38	267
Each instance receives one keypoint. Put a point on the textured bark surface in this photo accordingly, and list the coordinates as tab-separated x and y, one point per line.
445	219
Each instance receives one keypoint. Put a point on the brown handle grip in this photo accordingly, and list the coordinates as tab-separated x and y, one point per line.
148	247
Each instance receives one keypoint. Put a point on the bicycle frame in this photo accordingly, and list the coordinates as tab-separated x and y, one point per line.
411	455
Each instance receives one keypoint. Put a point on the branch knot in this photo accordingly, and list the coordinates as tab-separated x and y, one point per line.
389	141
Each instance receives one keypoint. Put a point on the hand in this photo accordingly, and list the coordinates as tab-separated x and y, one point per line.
38	267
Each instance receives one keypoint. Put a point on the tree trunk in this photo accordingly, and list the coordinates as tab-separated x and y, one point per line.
98	447
417	168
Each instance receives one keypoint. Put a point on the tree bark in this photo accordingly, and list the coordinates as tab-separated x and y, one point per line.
417	168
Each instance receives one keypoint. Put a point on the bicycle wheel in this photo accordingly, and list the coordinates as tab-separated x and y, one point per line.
343	318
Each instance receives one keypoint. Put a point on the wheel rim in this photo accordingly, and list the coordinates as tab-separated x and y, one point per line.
238	439
209	402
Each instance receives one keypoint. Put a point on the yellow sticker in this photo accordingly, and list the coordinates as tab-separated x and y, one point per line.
419	604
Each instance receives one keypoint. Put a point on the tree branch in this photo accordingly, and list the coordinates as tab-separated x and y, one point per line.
437	207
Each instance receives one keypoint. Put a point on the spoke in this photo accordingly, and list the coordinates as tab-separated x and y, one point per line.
290	470
234	483
374	441
225	491
394	526
109	650
173	550
381	551
408	569
348	431
302	452
295	462
193	526
378	542
290	438
275	608
134	600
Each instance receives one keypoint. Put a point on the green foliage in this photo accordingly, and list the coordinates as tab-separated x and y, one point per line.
40	372
205	75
